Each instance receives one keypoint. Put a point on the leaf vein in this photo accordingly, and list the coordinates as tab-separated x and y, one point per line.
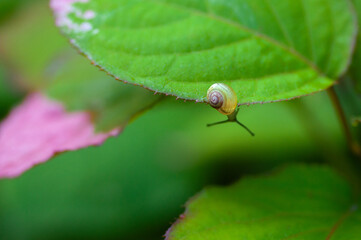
309	35
244	28
279	23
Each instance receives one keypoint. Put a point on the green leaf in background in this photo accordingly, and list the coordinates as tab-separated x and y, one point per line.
301	202
24	46
80	87
7	7
266	50
49	64
356	121
355	70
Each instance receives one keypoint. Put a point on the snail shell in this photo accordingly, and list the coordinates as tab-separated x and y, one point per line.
223	98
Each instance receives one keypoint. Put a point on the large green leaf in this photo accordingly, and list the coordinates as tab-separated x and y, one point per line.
298	203
267	50
49	64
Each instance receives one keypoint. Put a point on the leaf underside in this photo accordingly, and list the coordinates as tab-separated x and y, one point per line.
301	202
267	50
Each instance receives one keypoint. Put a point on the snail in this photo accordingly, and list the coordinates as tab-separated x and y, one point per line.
223	98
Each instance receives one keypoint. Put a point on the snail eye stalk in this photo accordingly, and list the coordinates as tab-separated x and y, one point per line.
217	123
245	127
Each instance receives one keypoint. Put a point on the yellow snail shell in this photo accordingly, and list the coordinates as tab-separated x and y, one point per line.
223	98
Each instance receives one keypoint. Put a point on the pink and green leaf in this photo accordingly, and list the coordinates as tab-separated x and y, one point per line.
38	129
84	99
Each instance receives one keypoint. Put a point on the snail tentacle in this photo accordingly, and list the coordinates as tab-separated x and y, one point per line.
245	127
216	123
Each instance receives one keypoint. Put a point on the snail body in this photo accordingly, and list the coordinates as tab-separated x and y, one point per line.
223	98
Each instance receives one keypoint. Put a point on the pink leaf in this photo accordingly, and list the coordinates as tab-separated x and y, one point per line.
38	129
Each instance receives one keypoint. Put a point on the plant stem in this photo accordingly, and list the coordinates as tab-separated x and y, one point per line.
332	153
351	141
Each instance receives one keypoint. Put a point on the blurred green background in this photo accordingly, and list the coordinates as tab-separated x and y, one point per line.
135	185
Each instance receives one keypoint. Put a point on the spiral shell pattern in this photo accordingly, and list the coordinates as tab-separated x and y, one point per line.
223	98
